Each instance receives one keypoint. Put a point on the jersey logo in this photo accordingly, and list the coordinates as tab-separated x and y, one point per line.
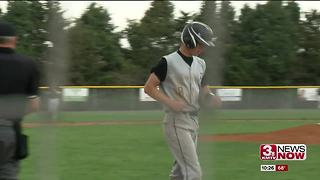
180	91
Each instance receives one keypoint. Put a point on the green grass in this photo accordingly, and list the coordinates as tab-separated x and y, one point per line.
242	126
139	152
284	114
241	161
100	116
98	152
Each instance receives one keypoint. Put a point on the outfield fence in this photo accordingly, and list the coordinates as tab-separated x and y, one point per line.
105	98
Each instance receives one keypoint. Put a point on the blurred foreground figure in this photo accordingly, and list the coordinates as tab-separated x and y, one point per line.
54	98
19	82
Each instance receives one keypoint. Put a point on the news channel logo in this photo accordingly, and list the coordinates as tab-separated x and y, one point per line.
281	152
296	152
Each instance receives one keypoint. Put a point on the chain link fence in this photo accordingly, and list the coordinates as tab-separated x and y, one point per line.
122	98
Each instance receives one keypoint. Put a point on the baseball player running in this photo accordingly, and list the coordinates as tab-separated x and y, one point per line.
180	76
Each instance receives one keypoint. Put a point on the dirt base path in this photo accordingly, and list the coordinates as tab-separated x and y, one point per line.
306	134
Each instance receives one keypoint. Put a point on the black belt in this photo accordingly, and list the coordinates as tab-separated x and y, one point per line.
192	113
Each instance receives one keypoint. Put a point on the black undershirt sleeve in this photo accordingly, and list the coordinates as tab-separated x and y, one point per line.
204	80
160	70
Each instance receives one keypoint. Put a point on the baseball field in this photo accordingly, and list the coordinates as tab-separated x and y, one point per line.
129	145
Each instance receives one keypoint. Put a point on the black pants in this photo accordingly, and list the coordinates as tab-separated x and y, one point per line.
8	163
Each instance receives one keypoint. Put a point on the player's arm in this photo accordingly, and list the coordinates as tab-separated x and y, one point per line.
33	104
32	90
207	95
151	88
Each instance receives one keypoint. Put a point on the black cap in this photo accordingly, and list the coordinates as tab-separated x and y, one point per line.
7	29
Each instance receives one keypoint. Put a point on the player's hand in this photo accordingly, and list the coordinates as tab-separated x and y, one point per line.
216	102
177	105
211	101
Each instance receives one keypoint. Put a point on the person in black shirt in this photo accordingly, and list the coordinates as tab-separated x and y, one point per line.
19	79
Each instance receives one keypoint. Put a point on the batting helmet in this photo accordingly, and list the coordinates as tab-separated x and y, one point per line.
197	32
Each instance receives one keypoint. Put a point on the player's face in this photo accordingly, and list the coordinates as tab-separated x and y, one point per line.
197	51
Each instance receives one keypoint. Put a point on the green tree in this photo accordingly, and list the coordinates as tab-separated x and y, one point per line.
237	69
208	15
294	11
222	22
227	21
28	18
95	52
38	33
152	37
306	67
264	47
180	22
56	54
225	30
